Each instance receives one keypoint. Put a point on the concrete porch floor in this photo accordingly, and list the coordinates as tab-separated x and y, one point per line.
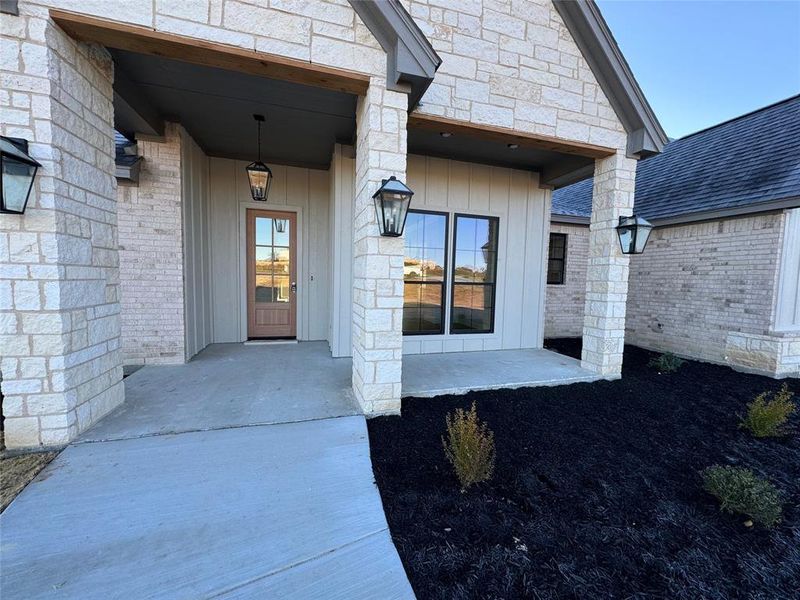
428	375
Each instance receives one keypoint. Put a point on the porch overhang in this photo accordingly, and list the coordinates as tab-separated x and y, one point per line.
558	161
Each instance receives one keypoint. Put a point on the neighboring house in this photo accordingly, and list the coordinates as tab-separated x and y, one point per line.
720	277
480	107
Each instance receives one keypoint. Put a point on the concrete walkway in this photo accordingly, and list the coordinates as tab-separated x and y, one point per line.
226	509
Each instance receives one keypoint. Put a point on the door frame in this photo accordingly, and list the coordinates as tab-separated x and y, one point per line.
299	259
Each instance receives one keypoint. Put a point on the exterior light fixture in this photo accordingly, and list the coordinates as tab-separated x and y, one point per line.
633	233
391	206
258	173
513	146
18	170
280	225
445	134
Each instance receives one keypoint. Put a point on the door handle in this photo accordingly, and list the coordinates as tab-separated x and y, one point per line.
294	287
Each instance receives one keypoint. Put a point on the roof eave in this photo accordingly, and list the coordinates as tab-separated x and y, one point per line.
411	61
594	38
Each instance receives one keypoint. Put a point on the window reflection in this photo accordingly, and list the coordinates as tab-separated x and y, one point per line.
424	272
474	274
272	262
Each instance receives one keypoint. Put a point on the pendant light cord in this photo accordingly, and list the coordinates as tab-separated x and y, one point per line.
259	141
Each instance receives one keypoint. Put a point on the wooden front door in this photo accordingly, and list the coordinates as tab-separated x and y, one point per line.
271	274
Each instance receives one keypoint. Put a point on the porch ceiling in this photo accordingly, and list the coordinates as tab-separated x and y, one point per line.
559	162
216	107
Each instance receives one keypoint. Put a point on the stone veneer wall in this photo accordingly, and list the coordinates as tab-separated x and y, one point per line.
377	310
513	64
707	291
59	279
151	256
564	303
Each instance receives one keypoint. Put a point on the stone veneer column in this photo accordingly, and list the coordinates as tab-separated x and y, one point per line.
59	277
377	261
607	272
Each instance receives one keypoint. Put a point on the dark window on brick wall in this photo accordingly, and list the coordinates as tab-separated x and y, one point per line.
557	259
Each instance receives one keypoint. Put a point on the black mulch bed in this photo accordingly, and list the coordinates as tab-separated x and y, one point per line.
596	491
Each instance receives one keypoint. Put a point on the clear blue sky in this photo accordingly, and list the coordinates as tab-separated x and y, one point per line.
701	63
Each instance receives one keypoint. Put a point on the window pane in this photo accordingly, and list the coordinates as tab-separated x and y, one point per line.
474	274
472	308
433	264
556	258
425	237
422	308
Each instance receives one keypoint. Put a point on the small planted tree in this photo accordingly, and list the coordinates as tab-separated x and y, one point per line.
768	413
666	363
469	446
741	491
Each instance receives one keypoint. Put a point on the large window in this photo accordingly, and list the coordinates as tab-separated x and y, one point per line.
424	273
474	274
557	258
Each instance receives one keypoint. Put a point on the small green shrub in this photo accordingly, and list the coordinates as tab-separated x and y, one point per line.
666	363
766	417
740	491
469	447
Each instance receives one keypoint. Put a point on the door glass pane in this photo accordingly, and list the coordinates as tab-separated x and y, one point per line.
272	261
263	259
263	288
281	237
281	290
263	231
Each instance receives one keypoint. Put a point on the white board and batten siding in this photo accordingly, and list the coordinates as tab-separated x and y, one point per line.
197	247
342	192
303	191
787	309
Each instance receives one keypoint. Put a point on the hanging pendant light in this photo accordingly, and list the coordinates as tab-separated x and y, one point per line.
258	173
280	225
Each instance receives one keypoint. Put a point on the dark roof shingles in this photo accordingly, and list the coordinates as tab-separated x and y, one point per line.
751	159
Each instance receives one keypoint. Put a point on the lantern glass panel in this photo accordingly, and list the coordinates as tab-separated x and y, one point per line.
642	236
625	238
17	182
260	178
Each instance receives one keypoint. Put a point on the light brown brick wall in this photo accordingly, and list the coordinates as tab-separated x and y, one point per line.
564	303
695	284
151	256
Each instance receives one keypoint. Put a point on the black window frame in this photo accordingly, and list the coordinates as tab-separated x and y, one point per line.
453	276
444	280
563	259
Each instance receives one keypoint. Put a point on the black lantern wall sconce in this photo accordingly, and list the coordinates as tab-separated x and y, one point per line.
633	234
391	206
18	171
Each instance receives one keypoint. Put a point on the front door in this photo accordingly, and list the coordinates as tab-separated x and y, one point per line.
271	274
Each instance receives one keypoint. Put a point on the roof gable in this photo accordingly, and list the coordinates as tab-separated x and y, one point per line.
600	49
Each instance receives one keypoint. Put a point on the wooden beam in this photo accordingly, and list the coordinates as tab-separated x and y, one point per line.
139	39
506	136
